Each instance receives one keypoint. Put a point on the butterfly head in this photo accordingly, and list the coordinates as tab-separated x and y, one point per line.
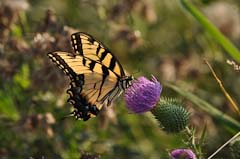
126	81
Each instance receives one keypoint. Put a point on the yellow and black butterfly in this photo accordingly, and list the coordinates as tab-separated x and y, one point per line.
96	75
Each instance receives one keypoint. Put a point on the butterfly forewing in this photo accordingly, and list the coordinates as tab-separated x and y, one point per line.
85	45
63	60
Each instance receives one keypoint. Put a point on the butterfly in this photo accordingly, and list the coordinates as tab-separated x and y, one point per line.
96	76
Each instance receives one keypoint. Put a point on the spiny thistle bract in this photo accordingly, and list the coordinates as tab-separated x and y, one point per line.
172	116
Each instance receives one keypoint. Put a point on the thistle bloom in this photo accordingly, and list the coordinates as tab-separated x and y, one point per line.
142	95
182	154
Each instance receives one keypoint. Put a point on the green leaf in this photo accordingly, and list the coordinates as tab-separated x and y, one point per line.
22	78
7	106
16	30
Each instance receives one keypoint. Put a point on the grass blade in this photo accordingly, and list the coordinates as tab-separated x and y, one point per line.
215	113
212	30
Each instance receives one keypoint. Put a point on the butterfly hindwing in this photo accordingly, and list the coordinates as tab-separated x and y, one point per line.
92	95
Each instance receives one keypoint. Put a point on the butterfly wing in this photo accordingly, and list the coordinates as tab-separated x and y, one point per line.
87	46
96	75
93	85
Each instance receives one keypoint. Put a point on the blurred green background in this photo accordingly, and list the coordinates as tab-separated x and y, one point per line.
149	37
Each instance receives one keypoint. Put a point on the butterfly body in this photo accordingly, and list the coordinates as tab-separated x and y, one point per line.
97	77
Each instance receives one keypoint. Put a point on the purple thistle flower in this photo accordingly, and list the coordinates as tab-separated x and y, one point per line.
142	95
182	154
